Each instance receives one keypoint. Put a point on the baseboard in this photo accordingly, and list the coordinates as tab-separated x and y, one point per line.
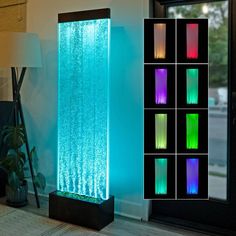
128	209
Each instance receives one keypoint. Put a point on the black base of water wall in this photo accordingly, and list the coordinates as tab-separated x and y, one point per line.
94	215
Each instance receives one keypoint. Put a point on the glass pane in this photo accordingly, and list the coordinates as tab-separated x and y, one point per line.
217	13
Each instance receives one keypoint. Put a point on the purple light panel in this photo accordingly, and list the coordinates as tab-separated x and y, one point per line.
161	86
192	171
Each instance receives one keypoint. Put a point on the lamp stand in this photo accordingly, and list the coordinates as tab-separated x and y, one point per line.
19	116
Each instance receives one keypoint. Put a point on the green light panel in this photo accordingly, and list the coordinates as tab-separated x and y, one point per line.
192	86
192	131
161	131
161	176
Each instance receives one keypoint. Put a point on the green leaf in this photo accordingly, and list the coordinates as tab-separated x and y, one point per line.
15	161
34	158
40	181
9	162
21	157
13	136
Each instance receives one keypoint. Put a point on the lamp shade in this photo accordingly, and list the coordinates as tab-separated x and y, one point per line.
18	49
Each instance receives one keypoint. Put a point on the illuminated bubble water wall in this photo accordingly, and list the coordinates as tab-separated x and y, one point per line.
161	131
161	86
161	176
192	171
192	131
83	107
192	41
192	86
159	41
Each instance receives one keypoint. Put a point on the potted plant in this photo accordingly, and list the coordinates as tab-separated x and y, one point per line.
14	164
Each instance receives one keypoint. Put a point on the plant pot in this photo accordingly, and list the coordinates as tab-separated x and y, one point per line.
18	197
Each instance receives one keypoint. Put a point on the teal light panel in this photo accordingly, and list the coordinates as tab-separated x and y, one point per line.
192	86
83	107
161	176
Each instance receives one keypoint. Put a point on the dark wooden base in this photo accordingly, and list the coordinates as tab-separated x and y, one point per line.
80	212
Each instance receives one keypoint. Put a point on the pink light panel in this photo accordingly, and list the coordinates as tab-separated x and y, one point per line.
192	41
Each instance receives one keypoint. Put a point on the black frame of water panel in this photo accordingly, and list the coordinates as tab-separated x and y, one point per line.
104	13
202	177
149	131
202	131
215	213
202	86
202	42
149	86
149	41
149	177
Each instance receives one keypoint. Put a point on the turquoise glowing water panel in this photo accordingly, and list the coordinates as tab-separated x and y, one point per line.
161	176
83	107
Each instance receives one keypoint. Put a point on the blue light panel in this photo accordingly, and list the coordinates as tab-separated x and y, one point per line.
83	107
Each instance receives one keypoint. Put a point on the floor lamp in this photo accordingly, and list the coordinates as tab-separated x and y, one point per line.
20	51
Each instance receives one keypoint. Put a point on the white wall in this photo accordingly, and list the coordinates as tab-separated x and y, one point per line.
126	95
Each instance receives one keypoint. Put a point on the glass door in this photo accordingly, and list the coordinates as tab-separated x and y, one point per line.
221	205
